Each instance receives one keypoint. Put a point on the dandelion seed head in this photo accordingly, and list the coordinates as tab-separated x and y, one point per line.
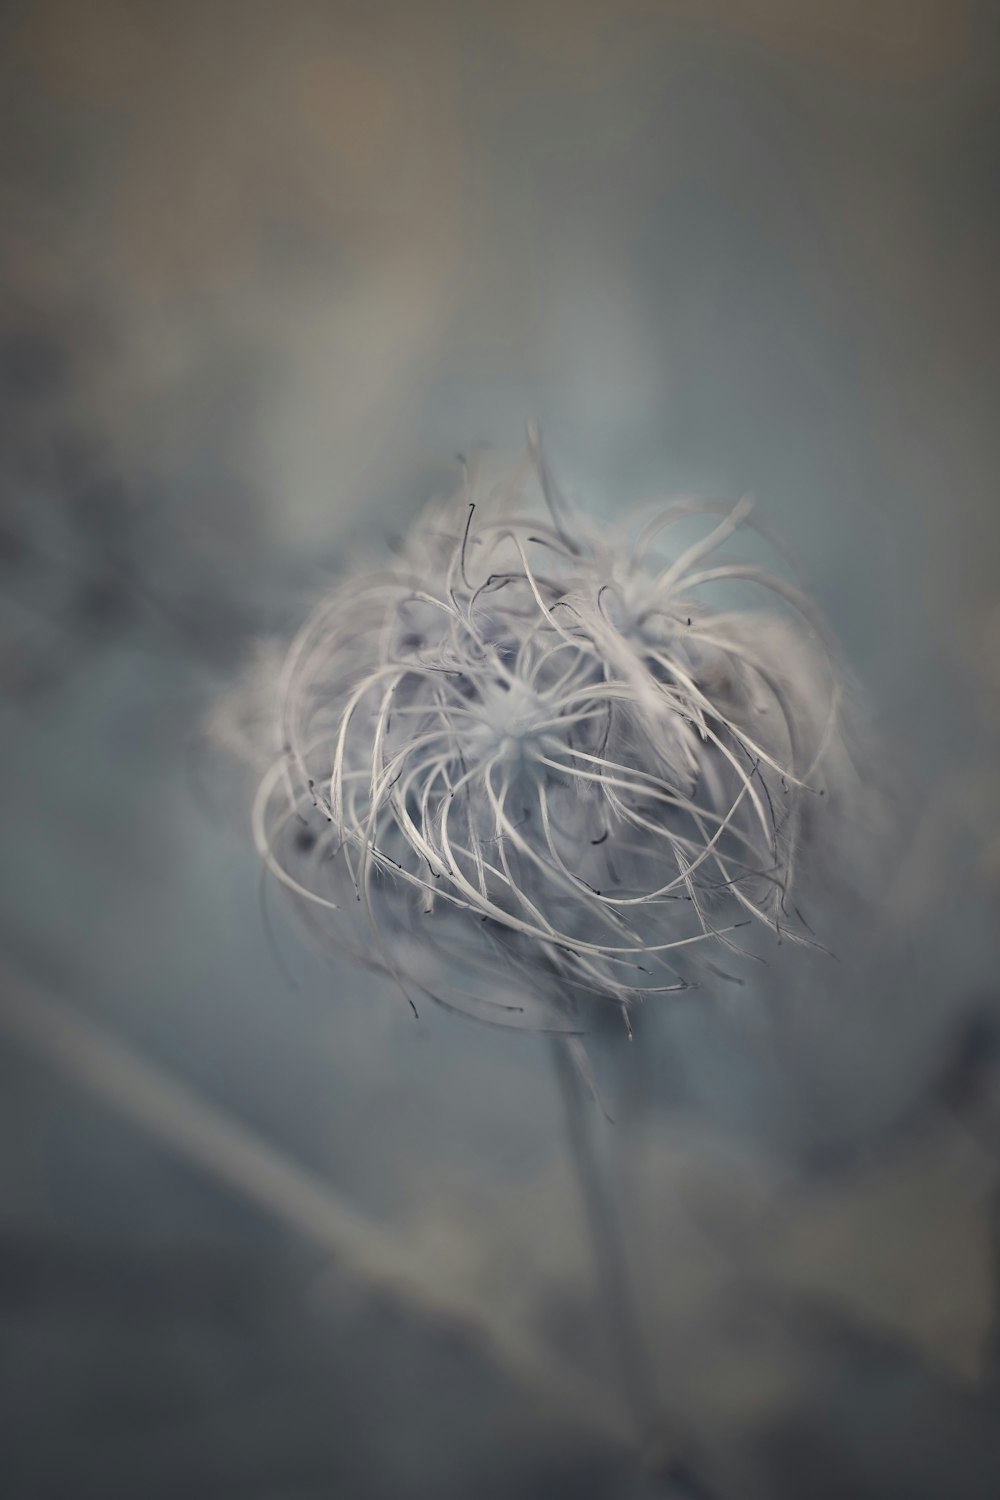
542	761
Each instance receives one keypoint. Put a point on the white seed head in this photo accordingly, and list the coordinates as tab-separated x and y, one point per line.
529	761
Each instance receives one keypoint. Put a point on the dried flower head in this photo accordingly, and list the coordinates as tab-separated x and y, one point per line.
529	761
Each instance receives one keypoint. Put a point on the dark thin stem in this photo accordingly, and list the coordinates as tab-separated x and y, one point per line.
609	1251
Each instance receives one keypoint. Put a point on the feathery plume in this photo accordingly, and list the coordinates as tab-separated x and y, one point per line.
537	758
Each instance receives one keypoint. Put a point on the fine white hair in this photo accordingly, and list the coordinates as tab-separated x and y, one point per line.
537	757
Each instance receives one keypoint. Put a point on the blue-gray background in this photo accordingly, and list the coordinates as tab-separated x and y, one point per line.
266	270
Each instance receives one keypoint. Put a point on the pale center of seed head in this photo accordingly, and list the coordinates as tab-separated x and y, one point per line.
636	605
510	714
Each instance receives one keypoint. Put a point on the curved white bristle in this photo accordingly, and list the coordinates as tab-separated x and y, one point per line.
534	740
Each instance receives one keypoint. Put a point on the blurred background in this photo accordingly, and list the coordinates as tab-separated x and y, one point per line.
265	270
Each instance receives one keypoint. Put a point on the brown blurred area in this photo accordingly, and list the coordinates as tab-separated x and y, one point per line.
343	198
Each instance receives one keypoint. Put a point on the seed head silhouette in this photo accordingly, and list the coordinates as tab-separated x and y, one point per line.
538	761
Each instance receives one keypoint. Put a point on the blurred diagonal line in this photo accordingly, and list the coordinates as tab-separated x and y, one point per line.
221	1147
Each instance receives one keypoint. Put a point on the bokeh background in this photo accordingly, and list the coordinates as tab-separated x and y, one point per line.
266	269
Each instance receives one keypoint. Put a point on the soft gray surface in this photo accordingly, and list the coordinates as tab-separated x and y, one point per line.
267	274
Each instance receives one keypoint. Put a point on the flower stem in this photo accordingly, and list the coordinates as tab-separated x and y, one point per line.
609	1251
228	1152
